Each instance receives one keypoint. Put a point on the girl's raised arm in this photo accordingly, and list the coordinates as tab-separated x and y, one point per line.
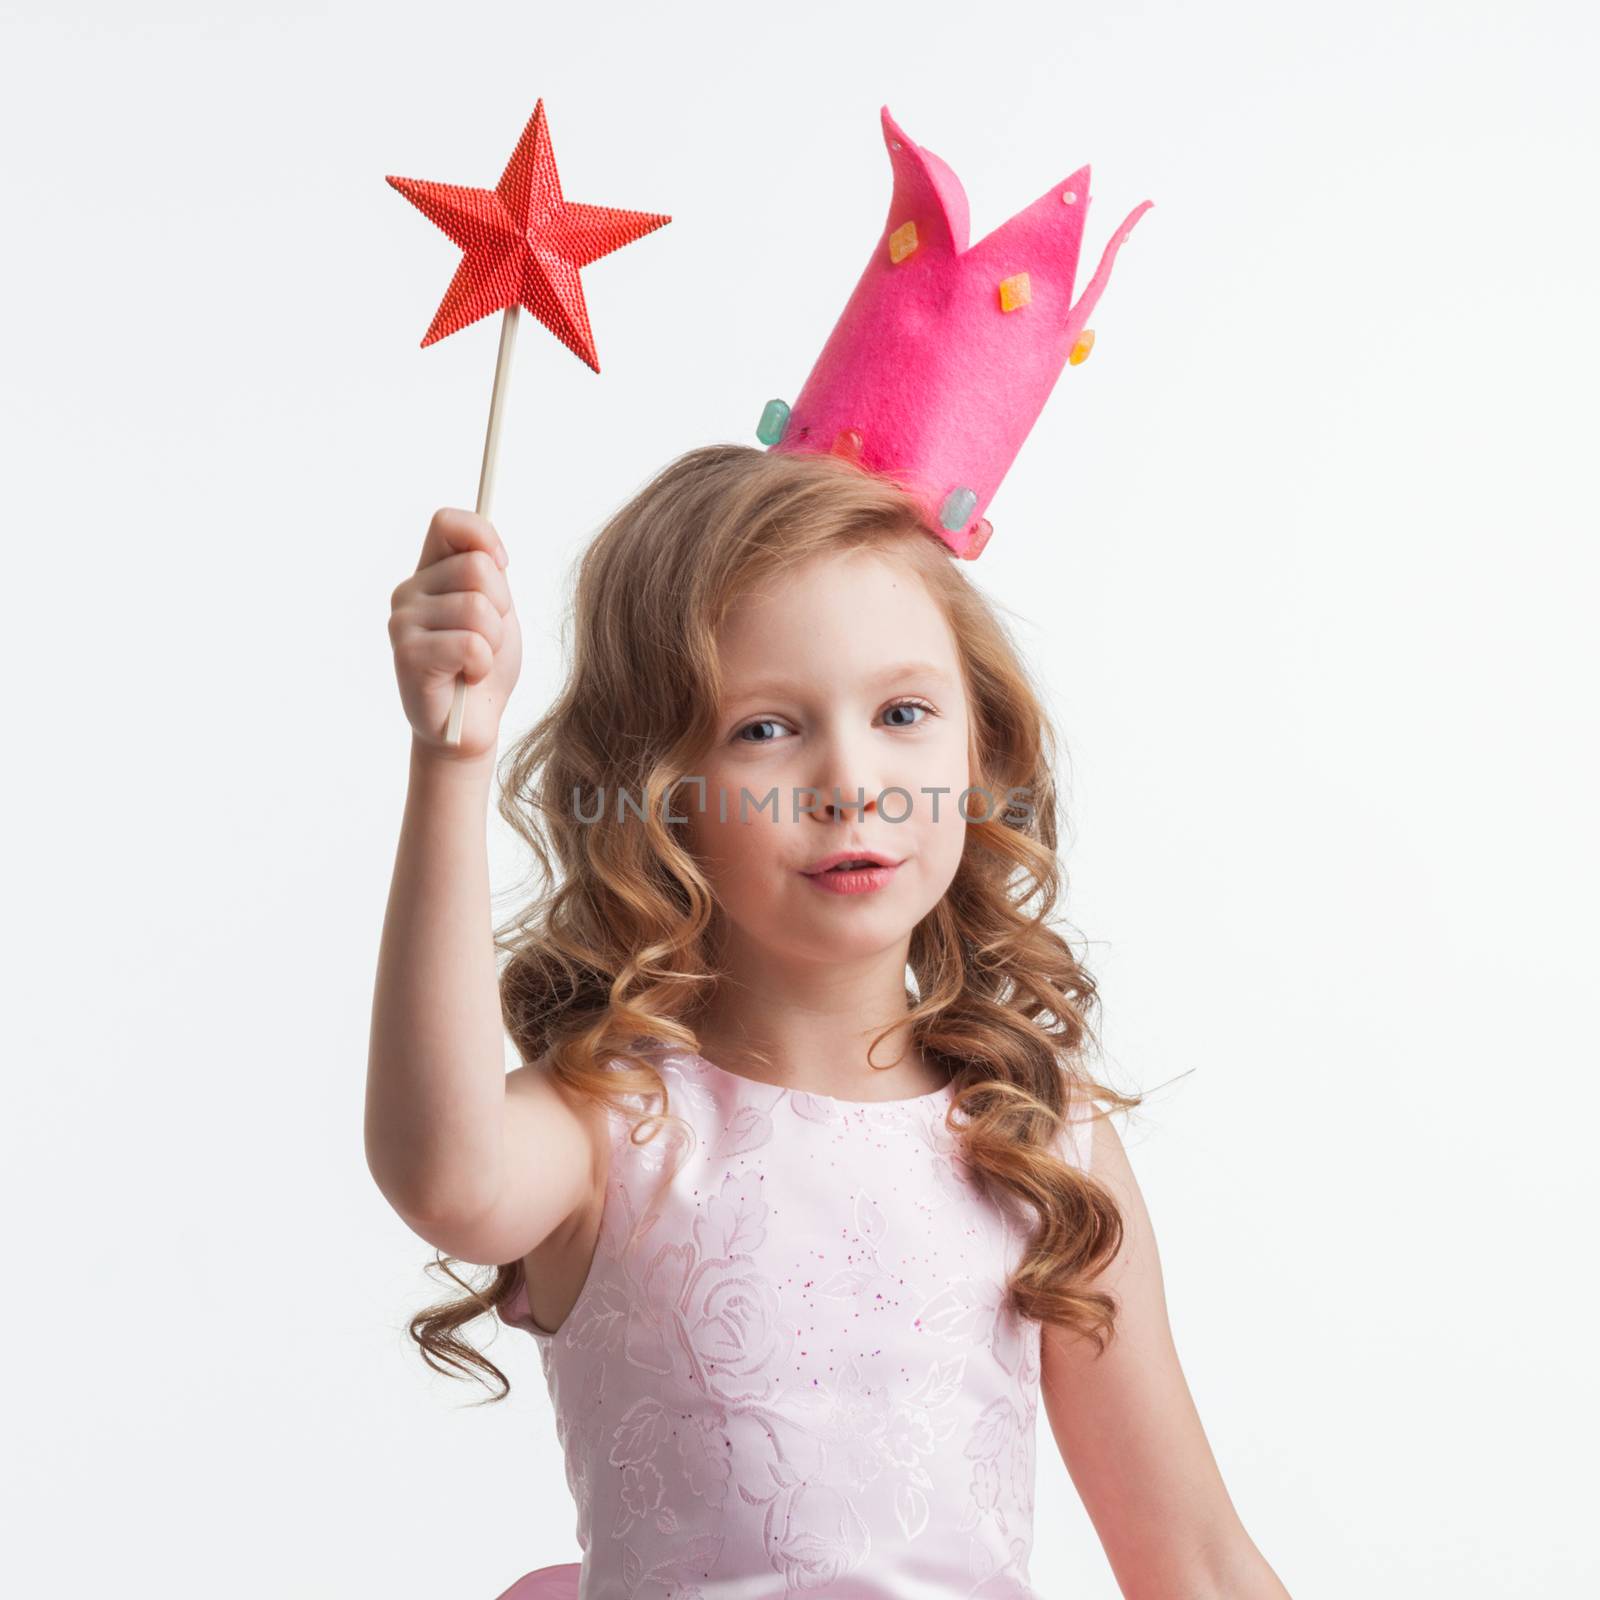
437	1125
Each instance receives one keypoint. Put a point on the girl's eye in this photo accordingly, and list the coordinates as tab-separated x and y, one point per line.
899	705
908	705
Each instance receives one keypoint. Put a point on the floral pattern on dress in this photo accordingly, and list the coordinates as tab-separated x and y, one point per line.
713	1448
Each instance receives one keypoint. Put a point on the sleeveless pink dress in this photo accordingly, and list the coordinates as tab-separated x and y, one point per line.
789	1370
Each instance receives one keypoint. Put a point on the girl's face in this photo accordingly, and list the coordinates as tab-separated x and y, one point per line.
845	677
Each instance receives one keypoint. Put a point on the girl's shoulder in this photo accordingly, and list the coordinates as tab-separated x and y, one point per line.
1075	1141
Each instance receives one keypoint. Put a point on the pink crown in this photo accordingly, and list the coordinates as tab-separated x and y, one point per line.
944	356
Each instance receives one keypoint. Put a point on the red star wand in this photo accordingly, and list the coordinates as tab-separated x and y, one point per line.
524	245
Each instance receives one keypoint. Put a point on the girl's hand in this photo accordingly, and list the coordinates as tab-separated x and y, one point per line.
452	616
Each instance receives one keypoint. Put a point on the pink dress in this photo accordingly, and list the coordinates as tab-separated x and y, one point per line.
789	1370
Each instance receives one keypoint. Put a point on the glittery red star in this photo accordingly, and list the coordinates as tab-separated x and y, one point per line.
524	242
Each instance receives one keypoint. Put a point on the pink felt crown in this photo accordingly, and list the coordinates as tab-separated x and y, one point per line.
944	356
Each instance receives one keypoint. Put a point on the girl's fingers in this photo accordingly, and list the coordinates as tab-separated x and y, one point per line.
445	652
462	608
452	619
469	570
453	530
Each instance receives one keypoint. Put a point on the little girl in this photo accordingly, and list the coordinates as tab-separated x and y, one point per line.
800	1191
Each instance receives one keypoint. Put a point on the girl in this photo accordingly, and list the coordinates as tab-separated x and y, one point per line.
801	1189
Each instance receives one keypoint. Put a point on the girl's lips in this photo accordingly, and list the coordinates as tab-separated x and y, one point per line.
839	858
852	880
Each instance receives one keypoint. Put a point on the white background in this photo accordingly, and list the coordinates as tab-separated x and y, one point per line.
1304	551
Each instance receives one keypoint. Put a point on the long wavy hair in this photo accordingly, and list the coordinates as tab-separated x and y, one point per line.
616	947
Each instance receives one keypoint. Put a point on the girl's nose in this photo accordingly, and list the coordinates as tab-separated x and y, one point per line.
852	803
848	762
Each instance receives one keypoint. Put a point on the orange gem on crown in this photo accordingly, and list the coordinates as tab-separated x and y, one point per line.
1015	292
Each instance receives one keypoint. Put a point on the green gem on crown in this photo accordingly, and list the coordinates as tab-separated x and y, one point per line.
957	509
774	420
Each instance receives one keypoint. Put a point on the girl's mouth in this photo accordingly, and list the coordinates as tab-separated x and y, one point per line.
859	876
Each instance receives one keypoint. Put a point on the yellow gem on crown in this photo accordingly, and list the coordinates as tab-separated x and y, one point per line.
1015	292
902	241
1080	351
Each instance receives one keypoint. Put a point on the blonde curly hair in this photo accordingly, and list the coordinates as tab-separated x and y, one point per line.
614	949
